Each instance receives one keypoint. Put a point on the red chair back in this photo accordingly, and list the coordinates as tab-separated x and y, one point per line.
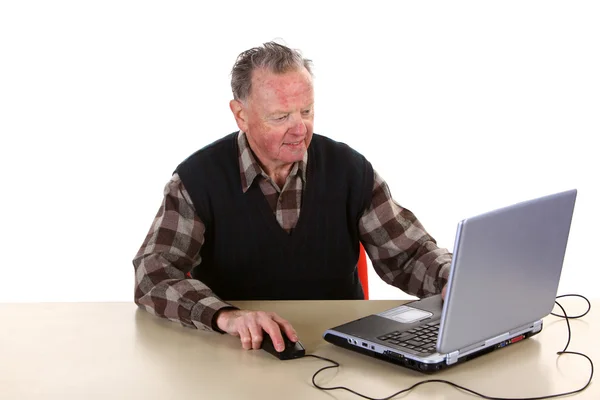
362	271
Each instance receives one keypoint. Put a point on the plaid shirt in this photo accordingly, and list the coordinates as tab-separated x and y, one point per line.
401	251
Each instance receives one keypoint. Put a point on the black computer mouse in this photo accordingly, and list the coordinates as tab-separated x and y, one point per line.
292	350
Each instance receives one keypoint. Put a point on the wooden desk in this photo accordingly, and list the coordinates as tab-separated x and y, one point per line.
115	351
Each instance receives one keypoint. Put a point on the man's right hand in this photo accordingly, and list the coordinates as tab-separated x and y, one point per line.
249	326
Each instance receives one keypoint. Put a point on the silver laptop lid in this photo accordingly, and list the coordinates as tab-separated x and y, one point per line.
505	270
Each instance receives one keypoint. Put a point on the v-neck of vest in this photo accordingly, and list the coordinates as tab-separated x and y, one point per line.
308	197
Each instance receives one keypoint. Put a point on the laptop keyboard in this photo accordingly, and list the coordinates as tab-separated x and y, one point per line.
421	339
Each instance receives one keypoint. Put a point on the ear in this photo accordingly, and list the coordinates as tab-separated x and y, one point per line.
240	115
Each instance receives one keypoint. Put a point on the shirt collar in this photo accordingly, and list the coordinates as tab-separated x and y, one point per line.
250	168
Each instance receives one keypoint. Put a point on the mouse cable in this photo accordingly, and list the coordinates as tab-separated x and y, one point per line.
564	351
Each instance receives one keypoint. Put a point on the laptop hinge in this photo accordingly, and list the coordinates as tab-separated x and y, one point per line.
452	357
497	339
537	326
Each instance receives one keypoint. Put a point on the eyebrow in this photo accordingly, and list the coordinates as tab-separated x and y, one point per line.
281	112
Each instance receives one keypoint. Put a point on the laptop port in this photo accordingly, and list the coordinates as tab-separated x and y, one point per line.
517	339
391	354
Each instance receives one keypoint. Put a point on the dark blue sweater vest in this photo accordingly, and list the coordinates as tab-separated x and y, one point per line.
246	255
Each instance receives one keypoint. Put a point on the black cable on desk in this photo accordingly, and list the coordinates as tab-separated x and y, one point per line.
564	351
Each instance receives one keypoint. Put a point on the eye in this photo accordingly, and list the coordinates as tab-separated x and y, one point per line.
283	118
307	112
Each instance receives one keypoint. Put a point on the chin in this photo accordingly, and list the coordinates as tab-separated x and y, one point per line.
294	158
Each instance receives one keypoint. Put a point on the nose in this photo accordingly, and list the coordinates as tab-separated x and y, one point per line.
298	127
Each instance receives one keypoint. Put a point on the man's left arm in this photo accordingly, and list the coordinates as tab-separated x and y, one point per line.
402	252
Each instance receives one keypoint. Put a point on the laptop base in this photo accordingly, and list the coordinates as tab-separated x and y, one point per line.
397	358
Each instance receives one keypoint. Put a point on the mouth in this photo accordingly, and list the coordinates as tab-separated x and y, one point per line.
293	144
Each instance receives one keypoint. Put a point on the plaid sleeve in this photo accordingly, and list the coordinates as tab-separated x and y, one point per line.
402	252
162	265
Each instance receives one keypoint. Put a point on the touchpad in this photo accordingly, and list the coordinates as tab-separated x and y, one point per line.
405	314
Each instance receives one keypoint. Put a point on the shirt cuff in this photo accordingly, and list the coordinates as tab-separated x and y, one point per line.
204	313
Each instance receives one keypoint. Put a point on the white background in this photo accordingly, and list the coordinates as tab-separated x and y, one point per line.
462	106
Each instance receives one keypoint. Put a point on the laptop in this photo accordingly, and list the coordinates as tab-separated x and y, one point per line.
503	280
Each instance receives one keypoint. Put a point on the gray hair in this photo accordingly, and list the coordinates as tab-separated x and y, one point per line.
273	56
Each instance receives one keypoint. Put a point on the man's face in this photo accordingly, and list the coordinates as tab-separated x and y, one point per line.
278	116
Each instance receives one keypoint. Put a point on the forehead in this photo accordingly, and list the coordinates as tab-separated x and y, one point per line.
293	88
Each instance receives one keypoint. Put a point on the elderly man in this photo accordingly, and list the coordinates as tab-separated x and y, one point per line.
275	212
